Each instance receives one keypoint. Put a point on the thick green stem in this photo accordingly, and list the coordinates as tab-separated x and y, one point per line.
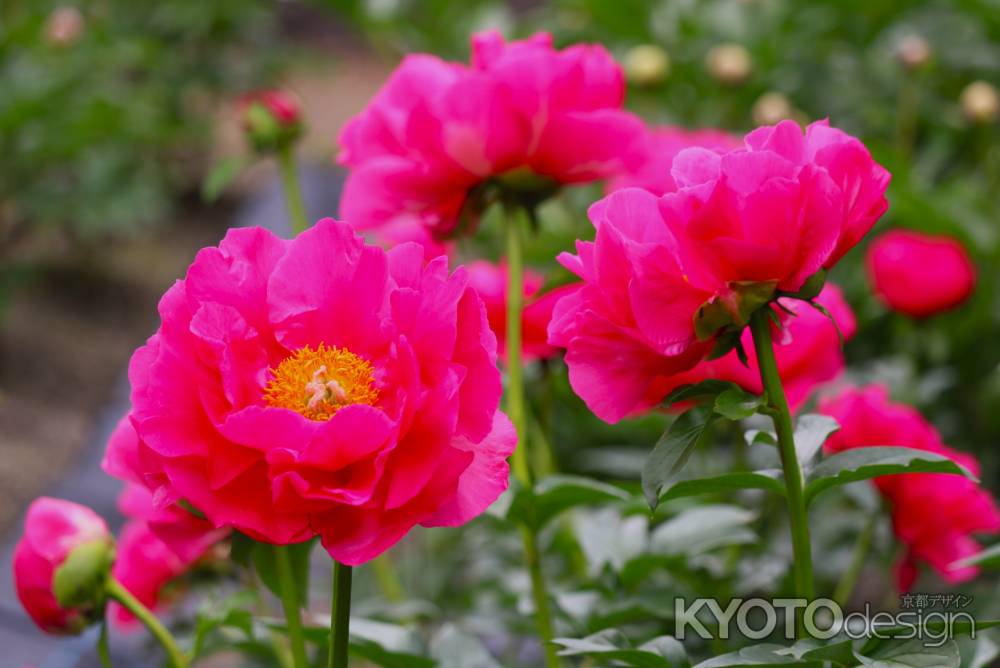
103	652
293	191
124	597
290	603
517	412
760	327
842	594
340	615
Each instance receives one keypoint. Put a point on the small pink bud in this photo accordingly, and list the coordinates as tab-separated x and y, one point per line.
64	26
271	118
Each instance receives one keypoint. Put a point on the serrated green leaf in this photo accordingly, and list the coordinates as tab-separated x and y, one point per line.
871	462
672	451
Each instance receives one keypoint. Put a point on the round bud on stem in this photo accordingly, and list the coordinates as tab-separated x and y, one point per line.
271	119
980	102
64	26
646	65
730	64
913	52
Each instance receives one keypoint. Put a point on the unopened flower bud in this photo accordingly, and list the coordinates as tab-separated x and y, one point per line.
64	26
646	65
271	119
61	565
772	108
981	102
913	52
729	64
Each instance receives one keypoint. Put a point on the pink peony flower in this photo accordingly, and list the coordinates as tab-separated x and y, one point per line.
55	530
650	170
490	281
521	111
808	351
933	514
321	386
665	275
919	274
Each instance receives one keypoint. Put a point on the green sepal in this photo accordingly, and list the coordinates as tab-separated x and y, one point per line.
79	582
731	312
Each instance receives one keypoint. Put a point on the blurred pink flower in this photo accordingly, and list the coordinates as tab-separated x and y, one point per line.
53	530
490	281
650	169
321	386
522	110
919	274
933	514
808	351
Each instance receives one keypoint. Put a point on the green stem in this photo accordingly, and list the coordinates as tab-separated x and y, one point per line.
103	653
388	579
517	412
760	327
340	616
842	594
124	597
293	192
290	603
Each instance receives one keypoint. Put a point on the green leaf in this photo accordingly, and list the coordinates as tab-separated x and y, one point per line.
913	654
871	462
558	493
263	557
766	479
702	528
839	652
738	404
759	656
221	176
988	558
672	451
454	648
611	645
811	432
706	389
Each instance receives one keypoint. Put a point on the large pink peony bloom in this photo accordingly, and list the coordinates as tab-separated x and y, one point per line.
919	274
490	281
650	168
665	274
54	529
933	514
437	130
808	351
321	386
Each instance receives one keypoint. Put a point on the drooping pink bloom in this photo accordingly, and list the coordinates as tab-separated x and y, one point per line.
665	275
933	514
919	274
321	386
53	530
437	130
808	351
490	281
651	168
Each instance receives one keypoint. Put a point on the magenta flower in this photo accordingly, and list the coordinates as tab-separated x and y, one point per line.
808	351
919	274
55	530
490	281
665	275
321	386
650	168
933	514
522	110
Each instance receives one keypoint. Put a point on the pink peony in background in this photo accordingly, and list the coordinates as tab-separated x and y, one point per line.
437	130
490	281
53	528
808	351
341	390
919	274
740	225
650	169
933	514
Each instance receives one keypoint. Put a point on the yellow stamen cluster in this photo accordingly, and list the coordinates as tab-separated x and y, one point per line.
317	382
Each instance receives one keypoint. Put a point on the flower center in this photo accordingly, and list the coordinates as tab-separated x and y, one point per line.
317	382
